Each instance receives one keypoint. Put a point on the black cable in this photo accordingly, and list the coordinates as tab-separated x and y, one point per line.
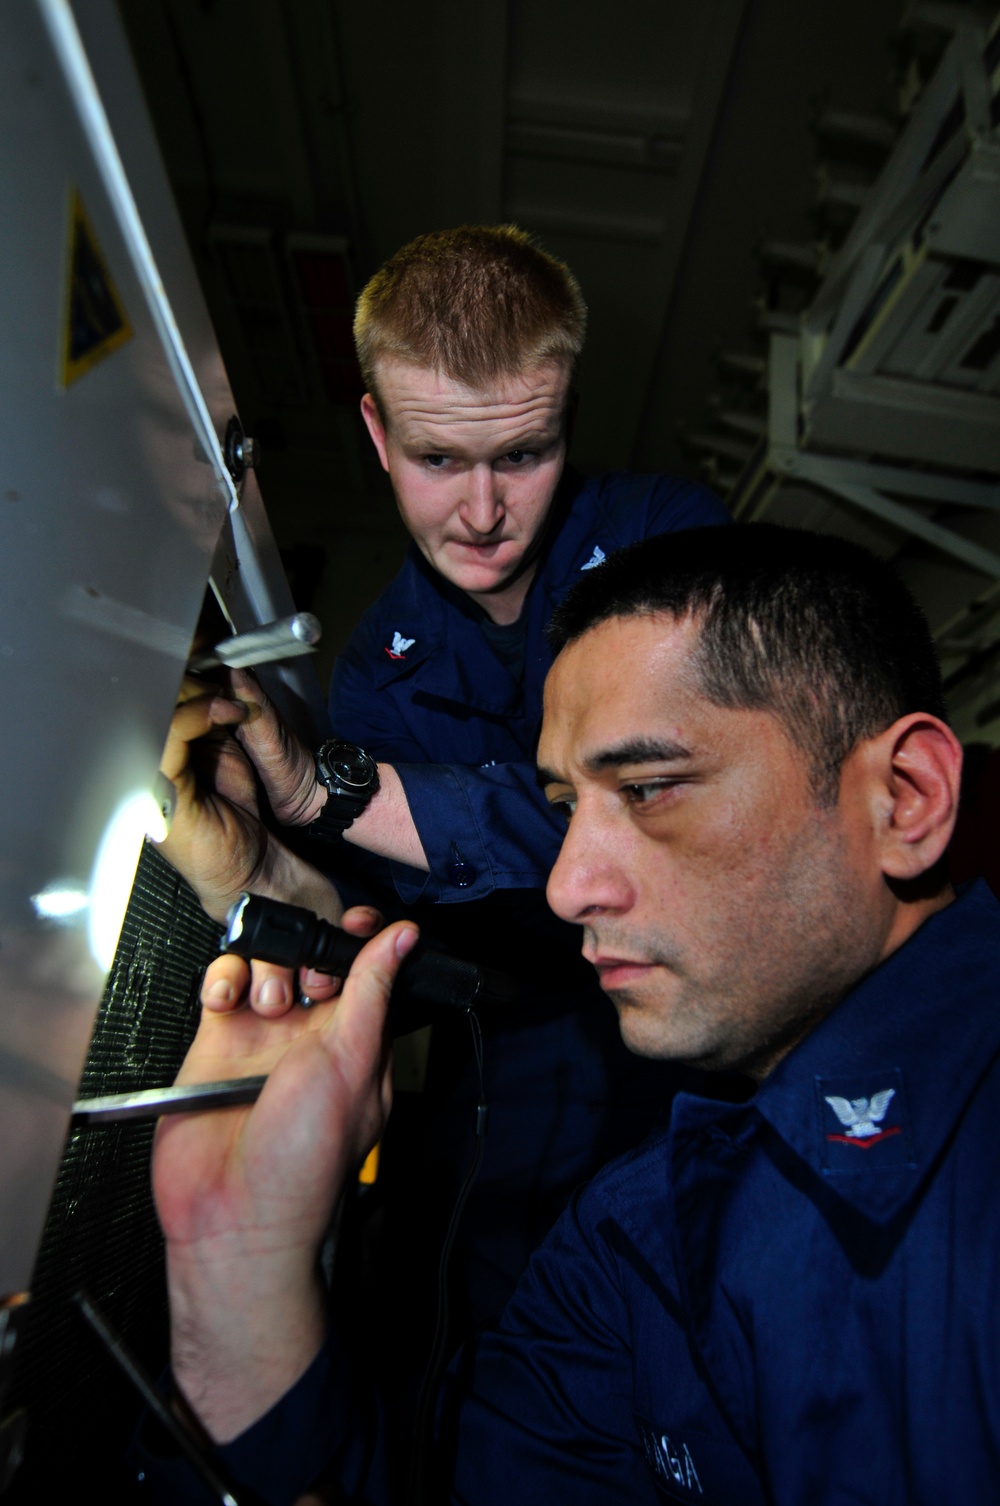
416	1486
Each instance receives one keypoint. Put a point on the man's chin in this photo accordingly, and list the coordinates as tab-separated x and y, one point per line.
478	577
642	1032
648	1032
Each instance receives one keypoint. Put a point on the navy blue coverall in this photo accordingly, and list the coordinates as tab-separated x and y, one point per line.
420	686
758	1306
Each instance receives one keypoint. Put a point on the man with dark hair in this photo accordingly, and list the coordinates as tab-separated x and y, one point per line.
788	1299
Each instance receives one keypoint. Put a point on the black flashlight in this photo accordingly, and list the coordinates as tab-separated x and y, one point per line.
428	982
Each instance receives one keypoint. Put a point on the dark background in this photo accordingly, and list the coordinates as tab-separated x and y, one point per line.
661	147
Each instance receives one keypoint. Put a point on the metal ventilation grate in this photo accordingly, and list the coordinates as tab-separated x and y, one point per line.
101	1232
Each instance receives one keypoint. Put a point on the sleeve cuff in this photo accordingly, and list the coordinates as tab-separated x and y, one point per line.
289	1447
443	815
314	1430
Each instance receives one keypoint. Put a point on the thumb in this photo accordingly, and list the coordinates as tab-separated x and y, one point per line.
192	719
356	1027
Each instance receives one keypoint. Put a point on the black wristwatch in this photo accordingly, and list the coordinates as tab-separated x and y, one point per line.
351	778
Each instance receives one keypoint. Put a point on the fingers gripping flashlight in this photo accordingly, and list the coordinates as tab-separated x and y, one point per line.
428	984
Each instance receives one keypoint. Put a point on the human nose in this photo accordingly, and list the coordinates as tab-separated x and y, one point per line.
589	876
483	507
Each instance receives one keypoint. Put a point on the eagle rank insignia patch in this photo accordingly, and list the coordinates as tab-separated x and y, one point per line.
860	1117
400	646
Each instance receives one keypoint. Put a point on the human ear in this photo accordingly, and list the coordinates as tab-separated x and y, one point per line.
375	427
921	762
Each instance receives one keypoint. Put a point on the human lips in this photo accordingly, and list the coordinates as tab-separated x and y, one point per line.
619	972
485	548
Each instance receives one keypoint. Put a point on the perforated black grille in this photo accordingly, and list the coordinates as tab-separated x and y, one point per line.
101	1232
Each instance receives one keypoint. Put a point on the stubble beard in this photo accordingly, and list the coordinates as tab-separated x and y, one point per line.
804	952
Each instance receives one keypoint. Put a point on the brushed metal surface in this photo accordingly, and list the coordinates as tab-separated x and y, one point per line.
109	516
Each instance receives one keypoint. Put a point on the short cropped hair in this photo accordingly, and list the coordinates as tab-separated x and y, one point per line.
811	628
477	303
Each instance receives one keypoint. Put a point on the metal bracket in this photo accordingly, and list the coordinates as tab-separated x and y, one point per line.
811	468
183	1436
970	44
864	483
239	451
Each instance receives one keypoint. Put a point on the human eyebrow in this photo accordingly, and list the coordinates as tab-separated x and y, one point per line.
415	434
536	443
638	750
535	439
635	750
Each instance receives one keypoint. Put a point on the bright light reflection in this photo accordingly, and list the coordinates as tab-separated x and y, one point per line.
60	901
114	871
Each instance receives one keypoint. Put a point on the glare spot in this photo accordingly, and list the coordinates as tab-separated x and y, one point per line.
60	901
113	874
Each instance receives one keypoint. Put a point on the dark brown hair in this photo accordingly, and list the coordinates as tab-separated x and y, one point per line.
811	628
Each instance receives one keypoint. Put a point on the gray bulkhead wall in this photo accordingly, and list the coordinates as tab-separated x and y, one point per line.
115	507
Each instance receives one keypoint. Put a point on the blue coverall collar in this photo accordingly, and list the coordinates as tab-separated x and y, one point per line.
870	1099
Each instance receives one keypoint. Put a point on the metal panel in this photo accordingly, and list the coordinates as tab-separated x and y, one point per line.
110	63
889	416
109	514
965	221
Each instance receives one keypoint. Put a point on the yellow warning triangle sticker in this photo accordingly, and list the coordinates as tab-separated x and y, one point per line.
94	318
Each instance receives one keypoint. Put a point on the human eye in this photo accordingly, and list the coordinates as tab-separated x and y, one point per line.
435	462
563	803
648	792
518	459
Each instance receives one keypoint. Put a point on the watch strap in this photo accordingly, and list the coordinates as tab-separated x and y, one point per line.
336	816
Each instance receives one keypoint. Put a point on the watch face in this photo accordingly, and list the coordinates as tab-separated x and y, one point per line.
349	766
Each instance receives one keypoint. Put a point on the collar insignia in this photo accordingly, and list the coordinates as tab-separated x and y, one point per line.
864	1111
861	1118
597	558
400	646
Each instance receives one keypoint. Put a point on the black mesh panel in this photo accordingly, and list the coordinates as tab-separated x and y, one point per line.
101	1231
